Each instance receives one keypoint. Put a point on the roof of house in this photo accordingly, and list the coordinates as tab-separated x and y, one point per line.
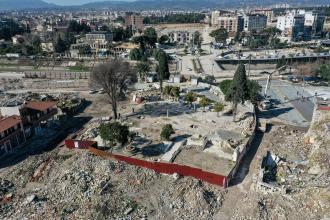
8	122
40	106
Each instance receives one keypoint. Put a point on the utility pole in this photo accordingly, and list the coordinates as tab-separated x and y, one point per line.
249	71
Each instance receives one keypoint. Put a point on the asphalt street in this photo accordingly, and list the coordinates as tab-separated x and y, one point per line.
293	103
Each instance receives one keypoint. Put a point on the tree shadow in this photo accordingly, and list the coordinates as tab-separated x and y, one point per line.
272	113
152	150
159	109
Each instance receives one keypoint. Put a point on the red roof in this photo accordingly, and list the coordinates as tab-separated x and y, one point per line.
9	122
40	106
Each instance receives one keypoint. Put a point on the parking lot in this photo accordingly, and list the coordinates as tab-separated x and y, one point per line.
293	103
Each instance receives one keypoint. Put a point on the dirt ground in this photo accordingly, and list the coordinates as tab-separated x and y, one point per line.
77	185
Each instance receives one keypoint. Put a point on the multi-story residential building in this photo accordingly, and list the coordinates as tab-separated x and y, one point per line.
14	129
214	17
231	22
11	133
228	22
298	28
99	41
300	25
315	21
267	12
135	21
33	113
254	22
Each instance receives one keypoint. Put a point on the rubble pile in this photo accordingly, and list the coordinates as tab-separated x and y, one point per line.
287	170
67	102
78	185
152	95
10	84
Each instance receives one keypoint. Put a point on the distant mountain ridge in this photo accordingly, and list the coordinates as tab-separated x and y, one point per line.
24	4
197	4
159	4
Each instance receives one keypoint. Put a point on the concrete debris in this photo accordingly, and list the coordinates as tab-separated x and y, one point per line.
102	192
30	199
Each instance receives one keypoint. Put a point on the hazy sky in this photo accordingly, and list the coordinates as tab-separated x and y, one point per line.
72	2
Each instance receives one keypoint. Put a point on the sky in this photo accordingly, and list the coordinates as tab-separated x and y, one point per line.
72	2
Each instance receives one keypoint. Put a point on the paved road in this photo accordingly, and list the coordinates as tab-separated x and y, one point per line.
291	107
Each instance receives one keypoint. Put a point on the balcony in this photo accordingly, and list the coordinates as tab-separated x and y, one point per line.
36	120
10	136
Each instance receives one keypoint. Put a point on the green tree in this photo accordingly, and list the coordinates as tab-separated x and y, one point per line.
210	79
36	43
175	91
135	54
114	132
185	50
150	36
225	86
166	132
197	39
143	68
175	18
10	28
219	107
167	90
204	102
220	35
163	39
162	67
104	28
190	97
76	27
60	45
254	89
238	92
324	72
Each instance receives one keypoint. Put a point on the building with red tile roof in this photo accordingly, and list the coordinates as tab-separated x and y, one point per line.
11	133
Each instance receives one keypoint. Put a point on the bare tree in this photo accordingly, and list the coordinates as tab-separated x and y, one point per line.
113	77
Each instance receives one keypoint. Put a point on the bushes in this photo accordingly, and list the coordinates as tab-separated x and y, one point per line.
225	86
190	97
173	91
219	107
114	132
204	102
167	131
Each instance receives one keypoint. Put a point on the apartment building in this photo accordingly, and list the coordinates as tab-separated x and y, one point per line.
135	21
254	22
299	25
99	41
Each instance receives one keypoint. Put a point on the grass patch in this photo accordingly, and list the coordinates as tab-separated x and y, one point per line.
78	68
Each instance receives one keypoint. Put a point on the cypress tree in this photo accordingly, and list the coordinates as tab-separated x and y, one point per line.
239	91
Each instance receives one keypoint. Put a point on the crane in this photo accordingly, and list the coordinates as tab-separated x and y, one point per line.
270	78
266	104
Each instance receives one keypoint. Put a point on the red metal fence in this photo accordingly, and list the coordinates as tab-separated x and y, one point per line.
324	108
167	168
159	167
